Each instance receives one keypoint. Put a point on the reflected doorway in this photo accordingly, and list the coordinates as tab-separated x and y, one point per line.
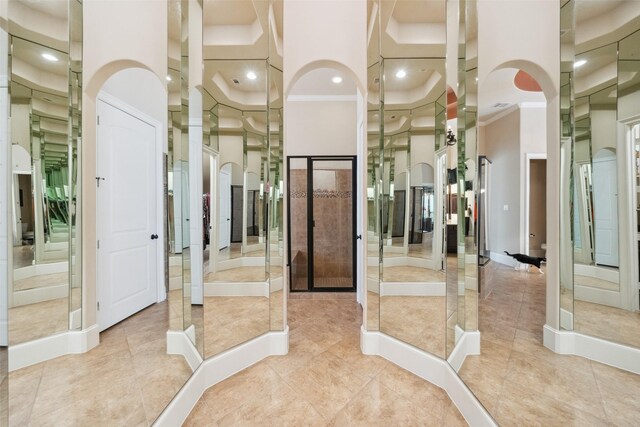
322	215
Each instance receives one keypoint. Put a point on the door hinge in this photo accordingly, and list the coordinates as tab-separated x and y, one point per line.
98	120
98	305
98	244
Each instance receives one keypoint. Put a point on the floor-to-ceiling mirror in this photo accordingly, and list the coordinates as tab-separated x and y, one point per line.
374	170
600	289
242	101
45	82
407	178
4	247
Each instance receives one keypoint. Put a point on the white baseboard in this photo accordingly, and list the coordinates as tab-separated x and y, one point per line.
178	342
597	295
75	319
430	368
467	345
40	269
422	289
47	348
245	261
41	294
566	319
602	273
592	348
236	289
276	284
373	285
503	259
175	283
402	261
218	368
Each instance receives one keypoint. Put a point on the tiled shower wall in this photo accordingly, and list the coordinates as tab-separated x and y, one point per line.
333	231
298	217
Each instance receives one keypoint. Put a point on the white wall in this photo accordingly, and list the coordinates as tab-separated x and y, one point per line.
423	149
514	34
140	89
603	130
139	39
502	139
321	128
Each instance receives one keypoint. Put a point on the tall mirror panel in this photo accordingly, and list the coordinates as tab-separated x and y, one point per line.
600	177
240	86
375	109
469	66
413	283
4	246
173	185
45	83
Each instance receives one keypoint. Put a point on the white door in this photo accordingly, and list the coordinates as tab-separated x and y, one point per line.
127	215
225	207
605	205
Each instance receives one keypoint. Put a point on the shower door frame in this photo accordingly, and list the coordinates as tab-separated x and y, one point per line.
310	225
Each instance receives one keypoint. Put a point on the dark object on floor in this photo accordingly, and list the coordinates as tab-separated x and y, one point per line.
529	260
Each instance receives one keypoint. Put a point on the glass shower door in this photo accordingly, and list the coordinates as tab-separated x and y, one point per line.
333	261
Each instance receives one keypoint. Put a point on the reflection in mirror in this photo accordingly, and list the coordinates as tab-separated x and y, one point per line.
4	247
237	90
275	214
411	170
468	108
374	185
44	295
600	176
173	185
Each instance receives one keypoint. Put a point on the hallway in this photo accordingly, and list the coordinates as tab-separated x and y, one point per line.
519	380
325	379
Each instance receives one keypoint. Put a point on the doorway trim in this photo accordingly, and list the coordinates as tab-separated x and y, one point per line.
527	194
161	293
354	207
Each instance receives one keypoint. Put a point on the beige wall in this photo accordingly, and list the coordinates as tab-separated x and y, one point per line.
502	141
319	128
511	35
138	40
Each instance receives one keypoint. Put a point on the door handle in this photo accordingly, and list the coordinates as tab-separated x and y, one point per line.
154	236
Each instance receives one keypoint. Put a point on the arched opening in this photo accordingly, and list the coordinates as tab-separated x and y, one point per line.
323	138
131	121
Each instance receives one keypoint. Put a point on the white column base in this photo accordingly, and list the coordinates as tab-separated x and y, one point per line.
468	345
430	368
47	348
218	368
178	342
592	348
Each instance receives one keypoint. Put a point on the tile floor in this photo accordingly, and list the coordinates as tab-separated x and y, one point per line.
521	382
324	380
126	381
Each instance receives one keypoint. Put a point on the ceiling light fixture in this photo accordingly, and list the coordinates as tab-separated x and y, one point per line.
337	79
401	74
49	57
251	75
169	78
579	63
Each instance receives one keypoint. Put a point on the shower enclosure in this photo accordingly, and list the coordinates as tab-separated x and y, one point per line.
322	223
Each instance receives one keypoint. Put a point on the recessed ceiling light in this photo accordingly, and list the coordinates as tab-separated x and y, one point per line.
401	74
251	75
169	78
579	63
337	79
49	57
